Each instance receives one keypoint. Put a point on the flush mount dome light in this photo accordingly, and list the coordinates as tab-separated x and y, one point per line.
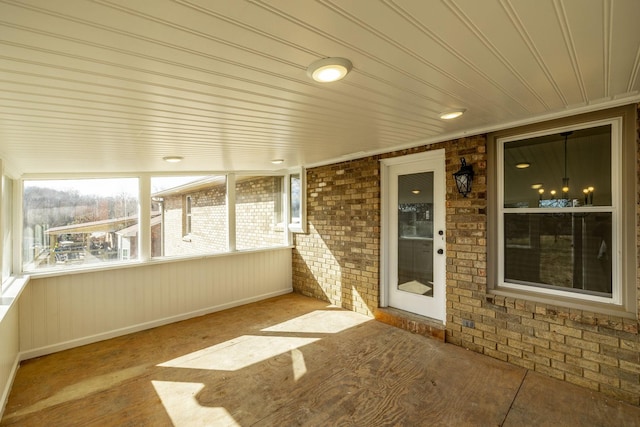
329	69
523	165
277	161
453	114
172	159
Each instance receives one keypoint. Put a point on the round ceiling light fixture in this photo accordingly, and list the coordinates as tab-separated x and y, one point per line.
453	114
329	69
277	161
523	165
173	159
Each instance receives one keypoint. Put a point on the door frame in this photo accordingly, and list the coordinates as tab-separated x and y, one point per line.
385	226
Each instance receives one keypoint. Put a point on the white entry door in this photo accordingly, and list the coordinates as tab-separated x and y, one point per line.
414	261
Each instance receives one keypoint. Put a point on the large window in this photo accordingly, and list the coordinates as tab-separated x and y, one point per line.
259	212
78	222
561	215
189	215
558	210
89	223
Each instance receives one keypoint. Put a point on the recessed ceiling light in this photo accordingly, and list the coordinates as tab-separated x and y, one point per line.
536	186
523	165
277	161
329	69
415	191
173	159
453	114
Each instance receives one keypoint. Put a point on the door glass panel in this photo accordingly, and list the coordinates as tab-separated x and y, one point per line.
415	233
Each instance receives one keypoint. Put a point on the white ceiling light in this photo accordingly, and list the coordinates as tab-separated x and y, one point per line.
453	114
523	165
172	159
277	161
329	69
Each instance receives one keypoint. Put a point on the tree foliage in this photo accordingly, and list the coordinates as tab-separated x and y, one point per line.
55	208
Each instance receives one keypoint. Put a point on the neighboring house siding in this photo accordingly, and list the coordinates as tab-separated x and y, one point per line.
338	261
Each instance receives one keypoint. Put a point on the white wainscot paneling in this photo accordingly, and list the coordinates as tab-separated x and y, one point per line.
9	346
66	311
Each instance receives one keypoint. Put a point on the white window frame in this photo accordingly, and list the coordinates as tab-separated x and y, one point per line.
282	209
188	215
6	209
144	194
615	209
18	200
301	226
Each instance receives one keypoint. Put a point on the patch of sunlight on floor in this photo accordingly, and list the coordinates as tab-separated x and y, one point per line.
238	353
321	322
82	389
298	364
179	400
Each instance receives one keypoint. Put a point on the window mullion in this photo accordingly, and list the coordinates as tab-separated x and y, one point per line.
231	212
144	215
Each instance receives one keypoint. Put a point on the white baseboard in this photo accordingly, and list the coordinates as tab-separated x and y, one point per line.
41	351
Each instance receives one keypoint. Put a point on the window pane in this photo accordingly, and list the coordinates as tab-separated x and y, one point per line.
79	222
566	251
537	169
189	215
296	198
259	212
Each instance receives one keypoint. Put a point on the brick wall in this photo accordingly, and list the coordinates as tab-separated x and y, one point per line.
208	222
256	218
258	212
338	261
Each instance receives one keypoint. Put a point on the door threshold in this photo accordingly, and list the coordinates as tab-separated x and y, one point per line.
411	322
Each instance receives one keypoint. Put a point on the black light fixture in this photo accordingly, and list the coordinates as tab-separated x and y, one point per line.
464	178
565	178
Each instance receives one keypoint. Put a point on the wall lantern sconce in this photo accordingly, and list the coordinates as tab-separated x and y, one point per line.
464	178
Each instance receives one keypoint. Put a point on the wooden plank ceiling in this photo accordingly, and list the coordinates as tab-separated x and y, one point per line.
116	85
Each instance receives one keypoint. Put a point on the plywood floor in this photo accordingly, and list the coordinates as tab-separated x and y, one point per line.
292	361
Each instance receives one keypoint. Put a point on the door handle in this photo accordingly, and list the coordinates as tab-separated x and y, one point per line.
440	251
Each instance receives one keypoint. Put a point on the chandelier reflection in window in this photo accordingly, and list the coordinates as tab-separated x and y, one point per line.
565	200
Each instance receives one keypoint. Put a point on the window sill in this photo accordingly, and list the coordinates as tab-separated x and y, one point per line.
152	261
11	293
500	296
296	228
